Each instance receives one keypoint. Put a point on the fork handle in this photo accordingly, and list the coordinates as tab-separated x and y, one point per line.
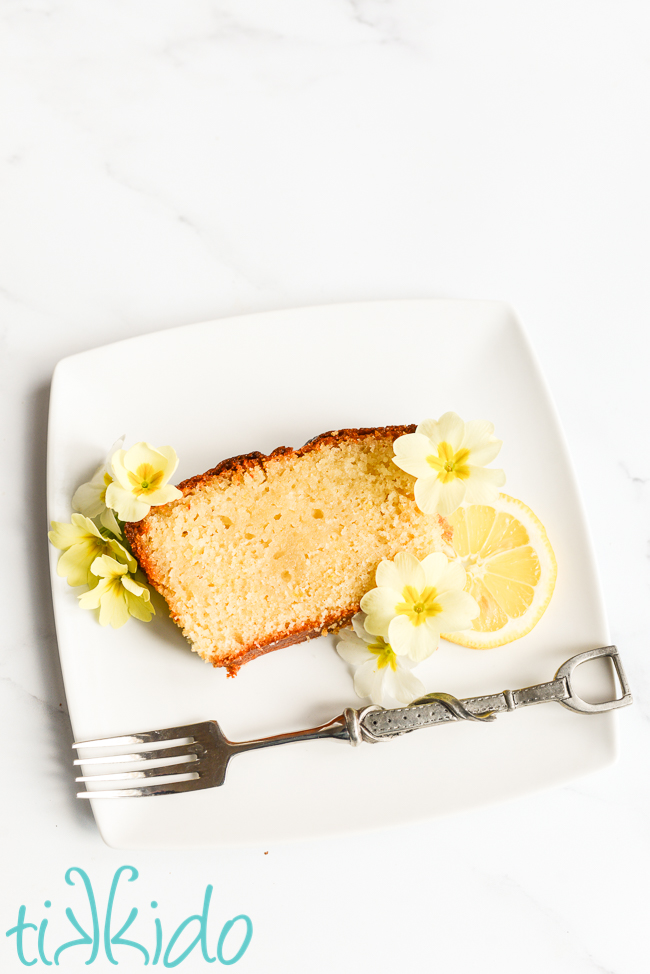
337	728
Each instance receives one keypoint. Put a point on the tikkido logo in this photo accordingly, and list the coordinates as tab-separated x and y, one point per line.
30	942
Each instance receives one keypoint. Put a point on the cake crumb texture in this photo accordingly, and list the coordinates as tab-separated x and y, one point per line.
265	551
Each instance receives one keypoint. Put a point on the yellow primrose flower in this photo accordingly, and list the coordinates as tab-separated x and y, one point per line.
140	483
116	595
415	601
448	457
81	544
90	498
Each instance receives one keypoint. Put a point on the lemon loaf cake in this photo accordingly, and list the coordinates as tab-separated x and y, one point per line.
265	551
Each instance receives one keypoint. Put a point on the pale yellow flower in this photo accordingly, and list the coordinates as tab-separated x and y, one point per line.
448	458
90	498
116	595
81	543
415	601
380	674
140	480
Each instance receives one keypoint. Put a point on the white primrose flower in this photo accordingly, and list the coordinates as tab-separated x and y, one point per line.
90	498
380	674
415	602
140	480
448	458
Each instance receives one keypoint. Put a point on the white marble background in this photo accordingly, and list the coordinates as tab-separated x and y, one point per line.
165	162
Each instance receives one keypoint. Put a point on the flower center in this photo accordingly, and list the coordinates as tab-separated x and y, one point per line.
449	465
419	606
385	655
145	480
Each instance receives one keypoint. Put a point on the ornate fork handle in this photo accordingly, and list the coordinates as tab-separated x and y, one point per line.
377	724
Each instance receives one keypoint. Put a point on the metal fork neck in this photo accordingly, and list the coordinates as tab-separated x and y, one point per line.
336	728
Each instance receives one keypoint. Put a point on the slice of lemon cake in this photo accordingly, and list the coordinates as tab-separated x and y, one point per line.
265	551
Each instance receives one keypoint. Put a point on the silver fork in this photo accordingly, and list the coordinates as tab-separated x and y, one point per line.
205	753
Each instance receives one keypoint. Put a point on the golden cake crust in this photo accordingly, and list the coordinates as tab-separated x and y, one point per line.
234	469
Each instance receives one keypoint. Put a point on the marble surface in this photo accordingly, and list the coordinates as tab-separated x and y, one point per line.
164	163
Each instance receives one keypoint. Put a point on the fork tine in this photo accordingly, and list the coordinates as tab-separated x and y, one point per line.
169	769
170	788
208	746
146	737
164	752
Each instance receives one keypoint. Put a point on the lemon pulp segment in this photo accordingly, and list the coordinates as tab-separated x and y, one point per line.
511	570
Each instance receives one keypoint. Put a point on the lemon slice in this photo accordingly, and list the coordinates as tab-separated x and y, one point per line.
511	570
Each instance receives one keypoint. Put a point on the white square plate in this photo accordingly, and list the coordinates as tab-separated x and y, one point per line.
227	387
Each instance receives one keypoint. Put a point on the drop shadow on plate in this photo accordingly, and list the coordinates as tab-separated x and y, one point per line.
42	616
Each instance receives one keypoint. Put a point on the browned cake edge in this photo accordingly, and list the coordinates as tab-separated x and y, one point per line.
278	640
235	468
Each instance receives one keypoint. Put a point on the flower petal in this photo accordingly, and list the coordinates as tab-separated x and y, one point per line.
140	591
379	606
126	504
402	685
85	525
74	564
365	679
427	494
434	567
121	554
458	610
119	470
478	432
417	642
87	498
108	465
405	662
92	599
107	567
359	628
80	529
163	495
109	521
411	452
139	608
483	485
451	429
451	496
452	578
415	466
404	570
144	453
352	649
412	445
172	460
486	453
430	429
377	694
113	610
64	535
